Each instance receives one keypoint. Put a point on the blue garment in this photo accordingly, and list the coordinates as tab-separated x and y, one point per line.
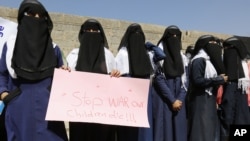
158	52
168	125
25	114
202	115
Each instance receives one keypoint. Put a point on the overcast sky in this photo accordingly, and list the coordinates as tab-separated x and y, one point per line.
219	16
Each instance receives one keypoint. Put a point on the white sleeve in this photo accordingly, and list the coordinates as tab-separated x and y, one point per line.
110	60
72	58
121	61
184	77
151	55
161	46
10	49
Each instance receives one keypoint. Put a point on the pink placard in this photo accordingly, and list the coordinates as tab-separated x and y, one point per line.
98	98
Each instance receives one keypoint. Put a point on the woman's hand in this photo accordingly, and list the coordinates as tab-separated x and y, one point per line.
177	105
115	73
65	68
224	77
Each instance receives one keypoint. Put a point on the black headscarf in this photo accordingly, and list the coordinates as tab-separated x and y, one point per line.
234	52
91	56
189	51
214	51
173	65
139	61
33	57
246	41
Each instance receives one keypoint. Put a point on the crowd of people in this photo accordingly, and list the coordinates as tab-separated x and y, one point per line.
193	96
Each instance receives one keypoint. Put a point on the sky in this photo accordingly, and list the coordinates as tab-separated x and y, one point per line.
220	16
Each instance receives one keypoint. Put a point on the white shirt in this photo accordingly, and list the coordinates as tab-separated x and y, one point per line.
73	56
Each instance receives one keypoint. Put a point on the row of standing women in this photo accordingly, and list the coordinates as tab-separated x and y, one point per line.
182	98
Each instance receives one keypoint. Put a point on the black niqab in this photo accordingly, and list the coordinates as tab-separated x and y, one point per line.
33	57
213	50
173	65
246	42
139	61
91	56
234	52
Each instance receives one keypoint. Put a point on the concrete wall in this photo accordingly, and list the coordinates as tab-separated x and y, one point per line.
66	28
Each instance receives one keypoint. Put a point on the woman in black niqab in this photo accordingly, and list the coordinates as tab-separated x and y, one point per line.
207	73
234	104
